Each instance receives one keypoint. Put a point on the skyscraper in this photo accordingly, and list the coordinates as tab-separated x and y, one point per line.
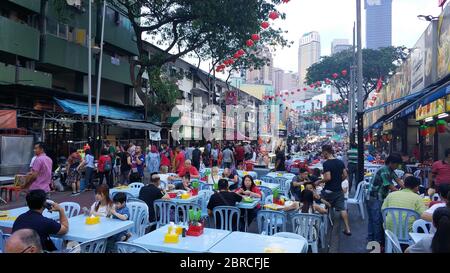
378	23
264	74
338	45
308	54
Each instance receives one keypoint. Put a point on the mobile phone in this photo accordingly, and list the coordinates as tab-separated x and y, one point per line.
48	206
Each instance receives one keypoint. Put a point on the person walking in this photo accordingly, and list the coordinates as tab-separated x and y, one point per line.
104	168
153	160
352	164
89	167
125	166
73	175
227	157
40	176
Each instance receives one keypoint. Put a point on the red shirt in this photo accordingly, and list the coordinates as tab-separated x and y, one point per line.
192	171
180	160
442	172
255	189
101	162
240	153
165	157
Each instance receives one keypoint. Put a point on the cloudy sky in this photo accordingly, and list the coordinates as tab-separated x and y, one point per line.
334	19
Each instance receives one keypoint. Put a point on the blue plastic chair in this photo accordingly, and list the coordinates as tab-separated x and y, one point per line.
291	235
162	185
93	246
266	191
271	222
71	209
279	180
206	186
129	195
163	211
203	200
422	226
136	185
359	198
400	219
182	212
226	215
308	226
392	243
266	179
123	247
2	241
285	186
139	215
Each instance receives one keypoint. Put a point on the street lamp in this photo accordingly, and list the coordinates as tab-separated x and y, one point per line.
428	18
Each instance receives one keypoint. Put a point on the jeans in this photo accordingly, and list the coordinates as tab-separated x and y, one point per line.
106	175
89	173
375	227
352	175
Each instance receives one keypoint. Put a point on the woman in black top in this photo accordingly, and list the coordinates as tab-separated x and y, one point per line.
125	166
280	159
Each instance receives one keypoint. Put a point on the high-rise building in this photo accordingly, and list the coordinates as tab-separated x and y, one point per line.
338	45
278	79
308	54
290	81
378	23
264	74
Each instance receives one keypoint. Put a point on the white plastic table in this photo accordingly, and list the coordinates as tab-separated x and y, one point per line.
288	176
243	242
154	241
417	237
271	186
243	173
247	206
80	232
132	191
18	211
191	199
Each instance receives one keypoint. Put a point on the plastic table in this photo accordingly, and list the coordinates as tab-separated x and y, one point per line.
243	242
288	176
271	186
417	237
244	173
191	199
154	241
247	206
14	213
80	232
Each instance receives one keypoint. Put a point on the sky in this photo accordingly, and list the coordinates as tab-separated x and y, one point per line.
333	19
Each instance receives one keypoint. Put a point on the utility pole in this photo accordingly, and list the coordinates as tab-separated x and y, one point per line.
100	62
360	96
90	63
351	94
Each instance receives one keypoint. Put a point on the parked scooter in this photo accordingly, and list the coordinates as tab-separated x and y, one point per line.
60	176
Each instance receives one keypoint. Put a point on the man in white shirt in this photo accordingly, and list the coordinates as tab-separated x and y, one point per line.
443	193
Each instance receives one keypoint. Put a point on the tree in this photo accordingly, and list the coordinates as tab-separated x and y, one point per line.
377	64
338	108
210	30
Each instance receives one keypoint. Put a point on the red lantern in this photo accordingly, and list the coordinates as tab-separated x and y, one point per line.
286	1
265	25
230	61
374	98
311	85
335	75
304	89
241	52
344	72
273	15
236	55
255	37
250	43
327	81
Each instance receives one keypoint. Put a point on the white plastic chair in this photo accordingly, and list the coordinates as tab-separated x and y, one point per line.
421	226
392	243
71	209
291	235
139	215
308	226
2	241
227	214
123	247
271	222
136	185
265	191
417	174
399	173
93	246
203	200
400	219
358	199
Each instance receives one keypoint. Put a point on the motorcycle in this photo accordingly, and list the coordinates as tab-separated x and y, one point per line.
59	176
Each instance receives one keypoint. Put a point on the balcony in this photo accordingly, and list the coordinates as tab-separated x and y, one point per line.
62	53
116	70
25	76
19	39
34	5
120	36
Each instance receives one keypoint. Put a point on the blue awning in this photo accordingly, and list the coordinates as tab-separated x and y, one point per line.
81	108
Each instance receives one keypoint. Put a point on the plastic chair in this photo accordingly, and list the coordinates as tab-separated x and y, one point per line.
279	180
2	241
94	246
226	215
399	173
163	210
162	185
182	212
359	198
400	219
308	226
266	191
271	222
139	215
266	179
392	243
136	185
134	199
291	235
417	174
206	186
421	226
71	209
129	195
203	200
123	247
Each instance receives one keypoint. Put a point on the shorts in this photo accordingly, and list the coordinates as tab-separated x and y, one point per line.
74	176
336	199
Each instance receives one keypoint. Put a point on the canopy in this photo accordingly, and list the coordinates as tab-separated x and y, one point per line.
133	125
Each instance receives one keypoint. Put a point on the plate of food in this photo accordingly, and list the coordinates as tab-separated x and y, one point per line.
247	199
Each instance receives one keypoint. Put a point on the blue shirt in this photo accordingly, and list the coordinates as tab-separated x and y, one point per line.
89	161
123	211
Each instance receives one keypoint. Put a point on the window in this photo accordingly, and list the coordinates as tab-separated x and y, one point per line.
62	31
110	14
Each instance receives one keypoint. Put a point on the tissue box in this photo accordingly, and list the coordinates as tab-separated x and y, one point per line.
92	220
171	238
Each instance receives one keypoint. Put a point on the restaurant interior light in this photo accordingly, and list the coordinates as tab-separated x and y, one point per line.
444	115
430	119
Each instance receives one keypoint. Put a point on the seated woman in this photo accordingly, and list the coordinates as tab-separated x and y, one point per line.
214	177
103	204
186	184
249	189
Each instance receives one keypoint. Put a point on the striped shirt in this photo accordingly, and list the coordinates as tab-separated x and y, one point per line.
352	156
406	199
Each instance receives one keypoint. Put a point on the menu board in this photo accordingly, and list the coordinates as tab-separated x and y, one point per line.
430	110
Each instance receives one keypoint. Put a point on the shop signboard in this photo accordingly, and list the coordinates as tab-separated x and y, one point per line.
443	66
448	104
431	110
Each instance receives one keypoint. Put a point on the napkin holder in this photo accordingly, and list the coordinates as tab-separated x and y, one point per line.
92	220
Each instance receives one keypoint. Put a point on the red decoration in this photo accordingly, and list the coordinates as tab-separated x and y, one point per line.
335	75
286	1
327	81
250	43
379	86
236	55
265	25
312	85
441	129
255	37
374	98
273	15
241	52
344	72
304	89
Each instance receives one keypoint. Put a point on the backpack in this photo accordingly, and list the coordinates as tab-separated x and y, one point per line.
108	166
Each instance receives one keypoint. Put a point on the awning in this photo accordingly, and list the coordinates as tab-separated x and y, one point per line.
81	108
133	124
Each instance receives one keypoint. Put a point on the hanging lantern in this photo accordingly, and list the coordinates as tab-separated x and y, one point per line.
230	61
286	1
441	126
236	55
273	15
344	72
265	25
255	37
250	43
305	89
423	130
374	98
327	81
318	83
335	75
311	85
241	52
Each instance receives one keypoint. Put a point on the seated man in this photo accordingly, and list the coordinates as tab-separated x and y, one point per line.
444	189
406	198
231	175
24	241
33	219
298	181
187	168
150	193
224	197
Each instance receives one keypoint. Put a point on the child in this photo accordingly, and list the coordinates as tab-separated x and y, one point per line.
102	206
121	211
345	189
